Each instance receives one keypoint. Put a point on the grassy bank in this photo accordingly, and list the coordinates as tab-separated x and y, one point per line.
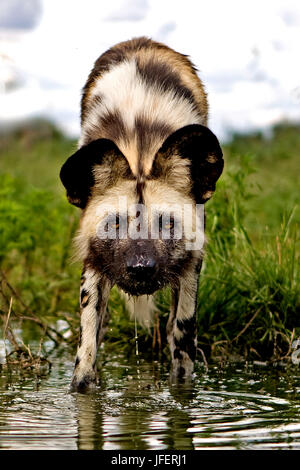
249	289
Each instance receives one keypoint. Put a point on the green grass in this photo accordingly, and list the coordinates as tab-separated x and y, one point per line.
249	288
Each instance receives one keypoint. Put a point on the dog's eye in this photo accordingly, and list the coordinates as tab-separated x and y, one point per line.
169	225
113	223
116	224
166	225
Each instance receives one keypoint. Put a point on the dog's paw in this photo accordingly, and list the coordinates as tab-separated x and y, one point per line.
183	367
83	382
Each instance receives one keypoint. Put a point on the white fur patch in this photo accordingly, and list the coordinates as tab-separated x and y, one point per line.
140	308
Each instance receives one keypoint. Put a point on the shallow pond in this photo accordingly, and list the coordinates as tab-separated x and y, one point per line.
138	407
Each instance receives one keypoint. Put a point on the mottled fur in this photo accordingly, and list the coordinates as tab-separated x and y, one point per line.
144	137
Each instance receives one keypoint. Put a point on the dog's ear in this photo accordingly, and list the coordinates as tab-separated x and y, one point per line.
77	172
200	146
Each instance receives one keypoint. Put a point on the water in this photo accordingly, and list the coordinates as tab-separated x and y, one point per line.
138	407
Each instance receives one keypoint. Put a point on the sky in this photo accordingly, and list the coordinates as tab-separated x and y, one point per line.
246	53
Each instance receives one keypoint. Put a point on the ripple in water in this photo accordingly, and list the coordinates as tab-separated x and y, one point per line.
138	407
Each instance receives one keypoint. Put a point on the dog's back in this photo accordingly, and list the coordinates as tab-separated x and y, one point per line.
138	93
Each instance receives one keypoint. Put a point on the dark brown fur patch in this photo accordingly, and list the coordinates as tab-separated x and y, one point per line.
77	361
84	298
147	133
139	190
113	127
159	74
80	337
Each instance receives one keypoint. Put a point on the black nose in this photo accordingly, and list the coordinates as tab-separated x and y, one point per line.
141	267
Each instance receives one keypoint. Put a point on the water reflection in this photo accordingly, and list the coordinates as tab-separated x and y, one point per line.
138	406
135	408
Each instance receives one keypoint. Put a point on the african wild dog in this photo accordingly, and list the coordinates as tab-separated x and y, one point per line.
144	140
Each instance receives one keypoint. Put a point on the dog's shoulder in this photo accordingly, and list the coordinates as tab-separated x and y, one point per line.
138	93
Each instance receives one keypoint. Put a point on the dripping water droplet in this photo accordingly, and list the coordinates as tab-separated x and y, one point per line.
136	346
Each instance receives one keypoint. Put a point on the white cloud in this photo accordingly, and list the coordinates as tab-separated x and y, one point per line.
128	10
19	14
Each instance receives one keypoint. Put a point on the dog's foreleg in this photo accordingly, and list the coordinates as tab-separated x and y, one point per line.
182	325
94	293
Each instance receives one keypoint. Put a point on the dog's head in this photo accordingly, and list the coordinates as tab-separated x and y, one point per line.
141	232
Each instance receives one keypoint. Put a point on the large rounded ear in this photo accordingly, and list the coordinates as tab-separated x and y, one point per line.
77	172
201	147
